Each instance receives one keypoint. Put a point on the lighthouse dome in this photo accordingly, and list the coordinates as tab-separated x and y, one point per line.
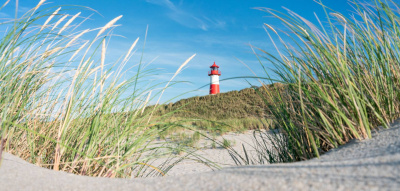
214	66
214	70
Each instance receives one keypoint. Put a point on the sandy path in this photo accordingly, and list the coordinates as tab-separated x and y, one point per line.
219	155
360	165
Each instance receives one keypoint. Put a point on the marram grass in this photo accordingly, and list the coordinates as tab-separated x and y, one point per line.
340	76
58	93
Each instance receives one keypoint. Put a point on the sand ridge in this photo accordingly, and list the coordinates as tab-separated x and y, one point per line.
372	164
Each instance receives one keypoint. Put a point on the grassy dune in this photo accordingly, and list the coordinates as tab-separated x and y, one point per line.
224	112
63	107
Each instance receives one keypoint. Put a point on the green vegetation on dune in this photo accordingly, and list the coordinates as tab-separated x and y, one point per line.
230	111
230	105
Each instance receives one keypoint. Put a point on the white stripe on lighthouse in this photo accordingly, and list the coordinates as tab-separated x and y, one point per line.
214	79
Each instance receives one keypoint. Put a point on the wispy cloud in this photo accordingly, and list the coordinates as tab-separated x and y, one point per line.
22	9
4	15
165	3
186	18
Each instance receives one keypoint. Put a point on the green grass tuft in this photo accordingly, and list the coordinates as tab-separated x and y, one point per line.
341	79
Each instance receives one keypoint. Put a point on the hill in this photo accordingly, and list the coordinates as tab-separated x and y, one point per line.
230	111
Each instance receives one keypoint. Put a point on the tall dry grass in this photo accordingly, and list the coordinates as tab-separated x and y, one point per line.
59	96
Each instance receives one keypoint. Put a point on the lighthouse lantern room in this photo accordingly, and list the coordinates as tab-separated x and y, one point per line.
214	79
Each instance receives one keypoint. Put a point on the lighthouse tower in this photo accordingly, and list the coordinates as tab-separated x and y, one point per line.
214	79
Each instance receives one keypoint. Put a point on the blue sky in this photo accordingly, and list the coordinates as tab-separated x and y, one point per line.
216	30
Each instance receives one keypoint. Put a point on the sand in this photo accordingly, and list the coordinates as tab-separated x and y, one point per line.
372	164
218	155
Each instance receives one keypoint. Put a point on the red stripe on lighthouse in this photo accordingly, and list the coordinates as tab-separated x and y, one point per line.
214	89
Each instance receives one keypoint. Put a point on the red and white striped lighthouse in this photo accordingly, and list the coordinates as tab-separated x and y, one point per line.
214	79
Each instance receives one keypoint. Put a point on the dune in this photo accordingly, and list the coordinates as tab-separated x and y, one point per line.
372	164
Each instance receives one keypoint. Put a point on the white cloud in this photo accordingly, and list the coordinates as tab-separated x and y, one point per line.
165	3
186	18
22	9
216	23
4	15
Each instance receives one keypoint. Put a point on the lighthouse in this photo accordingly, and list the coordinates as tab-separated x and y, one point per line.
214	79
